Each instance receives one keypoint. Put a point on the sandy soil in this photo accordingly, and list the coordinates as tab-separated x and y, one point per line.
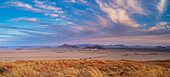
78	54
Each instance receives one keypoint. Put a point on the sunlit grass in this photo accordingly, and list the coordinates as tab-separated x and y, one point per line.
85	68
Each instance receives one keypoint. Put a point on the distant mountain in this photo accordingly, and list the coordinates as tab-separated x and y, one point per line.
27	47
103	46
117	46
68	46
168	47
22	47
8	47
82	46
160	47
94	47
85	45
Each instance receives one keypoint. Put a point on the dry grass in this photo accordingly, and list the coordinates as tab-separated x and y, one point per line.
85	68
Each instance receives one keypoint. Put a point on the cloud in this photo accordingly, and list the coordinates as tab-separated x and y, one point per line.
103	21
16	32
73	1
58	19
9	27
60	11
52	15
50	10
159	26
3	39
70	23
42	2
33	20
40	6
1	23
25	19
5	36
133	40
44	25
84	29
168	26
37	32
48	7
78	28
45	8
63	16
24	5
83	1
132	6
117	14
39	2
161	6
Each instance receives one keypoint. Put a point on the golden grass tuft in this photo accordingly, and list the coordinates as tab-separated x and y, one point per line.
85	68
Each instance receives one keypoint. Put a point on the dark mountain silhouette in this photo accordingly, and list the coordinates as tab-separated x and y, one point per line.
94	47
68	46
160	47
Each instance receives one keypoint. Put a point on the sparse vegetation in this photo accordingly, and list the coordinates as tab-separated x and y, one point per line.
2	70
85	68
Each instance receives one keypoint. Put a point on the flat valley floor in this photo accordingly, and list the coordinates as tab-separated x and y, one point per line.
83	54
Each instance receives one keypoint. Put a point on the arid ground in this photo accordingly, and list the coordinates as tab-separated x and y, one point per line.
83	54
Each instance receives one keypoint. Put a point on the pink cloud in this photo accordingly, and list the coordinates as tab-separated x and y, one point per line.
70	23
24	5
161	25
78	28
25	19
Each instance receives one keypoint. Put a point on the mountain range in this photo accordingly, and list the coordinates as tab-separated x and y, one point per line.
83	46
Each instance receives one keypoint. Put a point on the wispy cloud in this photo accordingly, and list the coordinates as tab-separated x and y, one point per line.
3	39
24	5
58	19
17	31
37	32
78	28
25	19
52	15
39	2
70	23
159	26
118	14
73	1
40	6
9	27
132	6
5	36
48	7
32	20
103	21
83	1
161	6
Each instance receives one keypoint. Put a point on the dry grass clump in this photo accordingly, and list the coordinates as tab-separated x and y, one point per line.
85	68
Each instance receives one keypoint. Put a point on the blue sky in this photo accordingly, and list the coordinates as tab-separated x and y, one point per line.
54	22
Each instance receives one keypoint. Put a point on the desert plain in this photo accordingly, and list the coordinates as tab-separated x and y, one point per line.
84	54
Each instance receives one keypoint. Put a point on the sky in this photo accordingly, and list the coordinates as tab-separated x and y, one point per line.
54	22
